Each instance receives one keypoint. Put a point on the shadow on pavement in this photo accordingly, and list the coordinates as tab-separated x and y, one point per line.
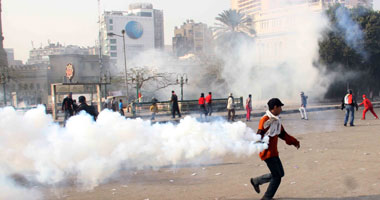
369	197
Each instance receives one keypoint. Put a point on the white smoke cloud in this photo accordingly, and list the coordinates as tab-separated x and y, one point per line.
279	63
34	147
353	35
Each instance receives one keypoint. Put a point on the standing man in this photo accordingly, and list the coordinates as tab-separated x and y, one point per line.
367	106
88	109
270	125
209	103
114	104
349	103
248	107
231	107
302	109
175	107
202	105
121	111
68	106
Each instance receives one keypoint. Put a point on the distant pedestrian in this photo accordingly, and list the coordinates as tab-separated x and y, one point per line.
231	107
68	106
154	109
202	105
114	104
88	109
302	109
349	103
270	125
175	107
248	107
367	107
209	103
121	111
133	108
106	104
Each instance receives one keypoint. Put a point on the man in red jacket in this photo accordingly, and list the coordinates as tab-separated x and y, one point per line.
367	106
270	125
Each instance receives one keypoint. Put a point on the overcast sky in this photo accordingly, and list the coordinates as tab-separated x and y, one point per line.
75	21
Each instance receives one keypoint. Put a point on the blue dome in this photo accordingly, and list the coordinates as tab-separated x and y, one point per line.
134	29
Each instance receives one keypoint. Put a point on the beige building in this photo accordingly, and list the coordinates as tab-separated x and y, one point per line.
277	22
192	38
254	7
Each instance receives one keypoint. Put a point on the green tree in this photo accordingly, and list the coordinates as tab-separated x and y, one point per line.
360	70
231	26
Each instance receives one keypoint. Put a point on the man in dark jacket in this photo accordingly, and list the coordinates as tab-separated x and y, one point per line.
175	107
88	109
68	106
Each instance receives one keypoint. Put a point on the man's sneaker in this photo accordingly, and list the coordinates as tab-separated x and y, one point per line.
352	125
344	124
255	186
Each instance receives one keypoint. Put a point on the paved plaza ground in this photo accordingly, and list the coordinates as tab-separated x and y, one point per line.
334	162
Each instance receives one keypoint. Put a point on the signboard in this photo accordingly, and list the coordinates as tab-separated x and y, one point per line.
70	88
70	71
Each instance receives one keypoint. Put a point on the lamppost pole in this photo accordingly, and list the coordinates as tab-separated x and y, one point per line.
125	63
183	80
125	59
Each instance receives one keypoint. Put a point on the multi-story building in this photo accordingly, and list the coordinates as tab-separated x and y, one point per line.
41	55
144	30
276	21
252	8
193	38
11	57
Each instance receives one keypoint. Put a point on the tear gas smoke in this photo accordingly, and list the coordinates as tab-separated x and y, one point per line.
41	151
353	35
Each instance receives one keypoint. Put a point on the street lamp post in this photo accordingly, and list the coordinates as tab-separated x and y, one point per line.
182	79
125	58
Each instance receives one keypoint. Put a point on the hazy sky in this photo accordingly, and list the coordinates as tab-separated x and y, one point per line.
75	21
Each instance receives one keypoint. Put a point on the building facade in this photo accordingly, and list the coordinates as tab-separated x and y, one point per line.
11	57
144	30
254	7
41	55
192	38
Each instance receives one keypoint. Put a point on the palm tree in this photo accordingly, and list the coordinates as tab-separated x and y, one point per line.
232	23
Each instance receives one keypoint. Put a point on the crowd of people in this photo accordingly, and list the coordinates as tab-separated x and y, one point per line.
70	107
270	125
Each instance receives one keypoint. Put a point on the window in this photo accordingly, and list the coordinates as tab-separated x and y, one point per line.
113	41
38	86
144	14
113	54
113	48
111	21
111	28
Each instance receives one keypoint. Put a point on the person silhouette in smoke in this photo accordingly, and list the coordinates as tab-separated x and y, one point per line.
175	107
302	109
270	125
68	106
88	109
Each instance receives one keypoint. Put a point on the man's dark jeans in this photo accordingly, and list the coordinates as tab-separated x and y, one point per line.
276	173
349	111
